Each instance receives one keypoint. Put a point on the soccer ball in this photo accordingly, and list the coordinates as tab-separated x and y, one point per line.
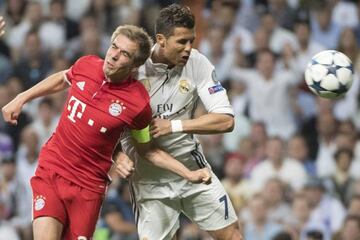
329	74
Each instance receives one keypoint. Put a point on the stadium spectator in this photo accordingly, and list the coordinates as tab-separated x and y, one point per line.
277	164
324	30
325	209
268	94
238	188
340	184
274	194
297	149
259	227
46	122
354	205
117	212
34	64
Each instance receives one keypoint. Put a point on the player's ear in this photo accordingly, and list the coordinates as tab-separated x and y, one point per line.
161	39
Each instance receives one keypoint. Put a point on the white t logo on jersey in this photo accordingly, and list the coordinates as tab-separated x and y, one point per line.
74	108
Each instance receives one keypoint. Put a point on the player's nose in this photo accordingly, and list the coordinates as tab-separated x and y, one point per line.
188	47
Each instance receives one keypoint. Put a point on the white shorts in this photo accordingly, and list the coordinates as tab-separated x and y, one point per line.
157	207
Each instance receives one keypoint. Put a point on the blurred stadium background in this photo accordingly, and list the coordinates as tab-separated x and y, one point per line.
292	164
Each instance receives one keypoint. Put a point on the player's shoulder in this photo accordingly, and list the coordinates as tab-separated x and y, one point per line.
197	57
139	93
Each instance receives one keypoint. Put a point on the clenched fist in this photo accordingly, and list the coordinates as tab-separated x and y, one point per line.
124	165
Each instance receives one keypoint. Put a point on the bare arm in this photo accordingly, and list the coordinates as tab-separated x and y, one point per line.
210	123
51	84
161	159
164	160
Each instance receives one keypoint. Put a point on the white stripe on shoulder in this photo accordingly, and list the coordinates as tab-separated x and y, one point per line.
66	79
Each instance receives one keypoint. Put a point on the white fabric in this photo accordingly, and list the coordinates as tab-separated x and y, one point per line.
331	213
291	172
52	35
345	14
325	163
176	126
8	232
159	218
269	100
76	9
280	37
346	107
43	132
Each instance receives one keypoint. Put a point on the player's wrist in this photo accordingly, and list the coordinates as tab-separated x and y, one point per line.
176	126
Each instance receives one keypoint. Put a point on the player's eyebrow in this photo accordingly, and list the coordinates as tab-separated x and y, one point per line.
122	50
185	40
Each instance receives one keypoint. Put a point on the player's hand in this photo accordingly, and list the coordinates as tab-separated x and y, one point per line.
2	26
12	110
124	165
200	176
160	127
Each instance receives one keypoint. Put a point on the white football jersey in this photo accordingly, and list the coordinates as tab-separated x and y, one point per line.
174	94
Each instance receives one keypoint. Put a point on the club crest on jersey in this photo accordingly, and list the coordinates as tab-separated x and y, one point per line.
39	202
115	108
184	86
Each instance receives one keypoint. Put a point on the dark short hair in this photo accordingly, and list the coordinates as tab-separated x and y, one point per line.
282	236
174	16
353	218
315	234
340	151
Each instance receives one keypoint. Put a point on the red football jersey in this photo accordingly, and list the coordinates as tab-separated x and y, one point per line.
94	116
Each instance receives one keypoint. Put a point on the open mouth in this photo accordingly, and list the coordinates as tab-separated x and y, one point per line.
185	58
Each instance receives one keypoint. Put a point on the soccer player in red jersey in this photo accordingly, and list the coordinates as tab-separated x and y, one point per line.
104	100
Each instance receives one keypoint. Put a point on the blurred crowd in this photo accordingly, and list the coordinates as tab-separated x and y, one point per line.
292	164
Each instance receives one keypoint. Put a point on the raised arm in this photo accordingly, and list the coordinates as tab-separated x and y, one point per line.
211	123
51	84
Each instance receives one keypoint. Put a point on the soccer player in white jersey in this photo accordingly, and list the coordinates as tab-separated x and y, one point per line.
176	77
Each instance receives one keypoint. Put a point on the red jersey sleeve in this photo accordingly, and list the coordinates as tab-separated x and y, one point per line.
143	119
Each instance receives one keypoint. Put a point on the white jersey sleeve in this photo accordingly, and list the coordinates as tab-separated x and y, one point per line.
211	92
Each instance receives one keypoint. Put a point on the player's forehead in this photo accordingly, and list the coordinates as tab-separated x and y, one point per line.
183	33
124	43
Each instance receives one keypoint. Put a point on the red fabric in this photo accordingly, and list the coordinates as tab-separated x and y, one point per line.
58	197
95	115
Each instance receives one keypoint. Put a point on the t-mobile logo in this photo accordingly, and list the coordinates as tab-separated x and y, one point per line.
74	108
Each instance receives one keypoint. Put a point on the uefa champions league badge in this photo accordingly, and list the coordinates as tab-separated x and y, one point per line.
116	108
39	202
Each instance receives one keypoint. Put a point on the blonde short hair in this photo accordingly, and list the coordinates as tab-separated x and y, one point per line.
138	35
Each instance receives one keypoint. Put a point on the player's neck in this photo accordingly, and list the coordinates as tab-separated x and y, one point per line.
158	56
118	78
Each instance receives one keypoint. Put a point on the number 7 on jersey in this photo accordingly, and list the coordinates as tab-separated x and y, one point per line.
224	199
